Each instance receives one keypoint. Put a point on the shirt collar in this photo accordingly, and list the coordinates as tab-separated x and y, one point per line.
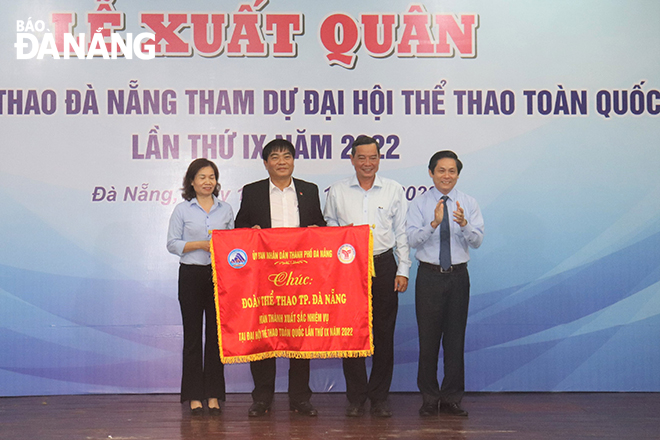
194	201
272	187
437	195
377	182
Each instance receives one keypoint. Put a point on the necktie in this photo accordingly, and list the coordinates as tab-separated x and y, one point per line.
445	243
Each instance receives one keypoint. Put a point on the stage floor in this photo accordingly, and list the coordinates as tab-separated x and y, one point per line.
527	416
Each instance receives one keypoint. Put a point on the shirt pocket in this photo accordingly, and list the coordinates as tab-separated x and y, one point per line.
383	217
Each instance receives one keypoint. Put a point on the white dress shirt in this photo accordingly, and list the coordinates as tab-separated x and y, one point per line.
283	206
383	207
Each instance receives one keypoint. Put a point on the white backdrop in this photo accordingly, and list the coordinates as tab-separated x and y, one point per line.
552	106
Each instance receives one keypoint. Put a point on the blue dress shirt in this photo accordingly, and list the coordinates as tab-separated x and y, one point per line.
426	240
189	222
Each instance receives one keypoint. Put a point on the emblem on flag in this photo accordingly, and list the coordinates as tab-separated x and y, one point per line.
346	253
237	258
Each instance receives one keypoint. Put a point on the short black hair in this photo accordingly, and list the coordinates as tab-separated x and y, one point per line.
278	145
444	154
364	140
188	192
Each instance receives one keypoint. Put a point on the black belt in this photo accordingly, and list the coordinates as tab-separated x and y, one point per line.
385	254
438	268
195	266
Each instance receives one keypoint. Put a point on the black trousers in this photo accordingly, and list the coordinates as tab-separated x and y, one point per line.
441	304
263	375
385	303
203	376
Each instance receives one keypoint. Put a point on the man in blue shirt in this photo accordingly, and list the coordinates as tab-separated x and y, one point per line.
443	224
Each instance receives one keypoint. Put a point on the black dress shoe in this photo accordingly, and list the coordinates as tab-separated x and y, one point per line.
304	408
258	409
215	411
381	409
197	411
429	410
355	410
453	409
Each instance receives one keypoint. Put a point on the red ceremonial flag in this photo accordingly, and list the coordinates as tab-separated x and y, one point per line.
293	292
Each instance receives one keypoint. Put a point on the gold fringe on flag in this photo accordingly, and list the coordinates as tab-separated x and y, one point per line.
296	355
372	273
215	300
